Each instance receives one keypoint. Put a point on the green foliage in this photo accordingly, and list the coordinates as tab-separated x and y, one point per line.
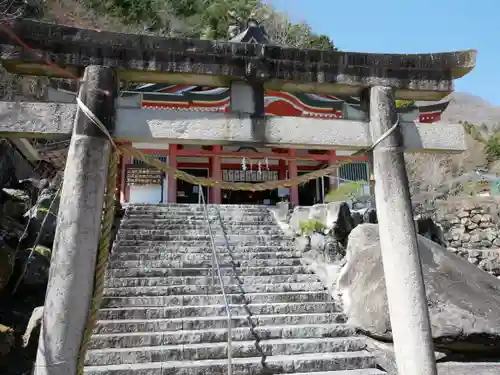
491	142
492	148
208	19
405	103
348	190
310	226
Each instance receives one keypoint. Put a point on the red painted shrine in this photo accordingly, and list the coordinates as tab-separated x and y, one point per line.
245	164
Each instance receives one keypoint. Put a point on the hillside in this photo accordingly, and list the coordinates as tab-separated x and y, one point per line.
473	109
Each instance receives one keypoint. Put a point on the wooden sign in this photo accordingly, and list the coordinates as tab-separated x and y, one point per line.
144	176
249	175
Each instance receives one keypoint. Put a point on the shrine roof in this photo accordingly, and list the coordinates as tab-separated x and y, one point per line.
276	102
143	58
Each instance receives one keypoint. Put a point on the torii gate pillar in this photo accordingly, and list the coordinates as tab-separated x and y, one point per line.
398	242
72	267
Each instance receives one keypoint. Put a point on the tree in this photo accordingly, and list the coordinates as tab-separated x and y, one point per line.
282	31
208	19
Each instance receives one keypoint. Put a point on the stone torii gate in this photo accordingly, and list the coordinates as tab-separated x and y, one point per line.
103	59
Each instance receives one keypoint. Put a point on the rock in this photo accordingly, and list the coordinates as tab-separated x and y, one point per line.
496	242
281	210
299	214
465	237
476	219
15	203
485	243
7	259
334	251
370	216
472	226
302	243
464	302
475	238
357	218
463	214
38	265
11	230
30	337
317	242
340	215
490	234
44	216
7	168
486	217
7	340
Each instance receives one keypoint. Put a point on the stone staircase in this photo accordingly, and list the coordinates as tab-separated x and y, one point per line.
162	315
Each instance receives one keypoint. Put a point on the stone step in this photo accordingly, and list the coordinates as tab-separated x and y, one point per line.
215	209
230	215
209	205
206	280
242	349
245	366
220	241
196	208
198	219
141	339
174	223
198	230
189	247
214	299
224	263
177	312
213	322
211	289
202	256
241	271
161	235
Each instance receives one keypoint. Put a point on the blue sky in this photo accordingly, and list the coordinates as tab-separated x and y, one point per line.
412	26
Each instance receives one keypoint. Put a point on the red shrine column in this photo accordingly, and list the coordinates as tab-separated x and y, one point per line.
334	180
215	193
282	169
292	173
172	182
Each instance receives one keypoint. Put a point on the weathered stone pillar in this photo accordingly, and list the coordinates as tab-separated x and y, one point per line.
73	260
398	240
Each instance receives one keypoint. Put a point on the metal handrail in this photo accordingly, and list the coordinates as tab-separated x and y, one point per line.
216	269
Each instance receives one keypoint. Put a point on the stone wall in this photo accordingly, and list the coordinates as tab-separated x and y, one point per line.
471	228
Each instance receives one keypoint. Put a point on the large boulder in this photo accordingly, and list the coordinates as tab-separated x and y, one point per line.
299	214
464	301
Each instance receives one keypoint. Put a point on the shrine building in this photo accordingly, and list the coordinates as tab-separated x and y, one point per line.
141	184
